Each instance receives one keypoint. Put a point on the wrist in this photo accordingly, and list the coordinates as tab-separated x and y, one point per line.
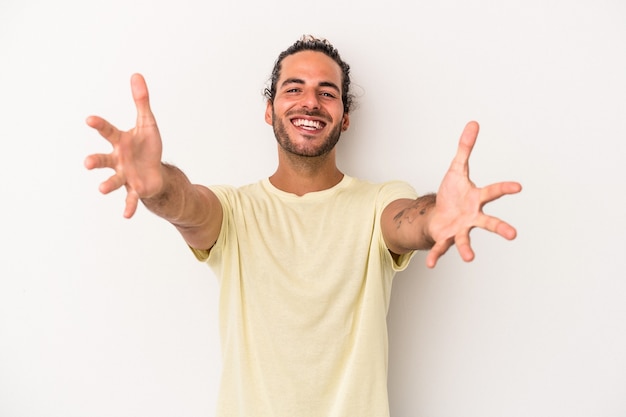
427	204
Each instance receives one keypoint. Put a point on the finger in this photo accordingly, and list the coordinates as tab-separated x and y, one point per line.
436	252
142	101
498	226
104	128
464	247
98	161
494	191
466	144
112	183
506	231
132	201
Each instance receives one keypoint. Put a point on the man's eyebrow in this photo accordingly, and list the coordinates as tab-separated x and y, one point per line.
292	81
329	84
301	81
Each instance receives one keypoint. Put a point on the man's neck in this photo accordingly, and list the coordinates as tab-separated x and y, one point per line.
302	175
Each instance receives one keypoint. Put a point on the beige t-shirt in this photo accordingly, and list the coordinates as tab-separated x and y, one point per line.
305	285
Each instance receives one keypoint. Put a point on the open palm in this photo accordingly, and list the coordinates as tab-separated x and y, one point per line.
136	155
459	206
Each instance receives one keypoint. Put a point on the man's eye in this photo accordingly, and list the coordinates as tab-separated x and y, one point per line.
327	94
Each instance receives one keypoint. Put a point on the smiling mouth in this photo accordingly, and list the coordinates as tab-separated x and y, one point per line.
307	124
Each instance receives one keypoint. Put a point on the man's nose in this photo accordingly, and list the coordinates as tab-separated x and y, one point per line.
310	100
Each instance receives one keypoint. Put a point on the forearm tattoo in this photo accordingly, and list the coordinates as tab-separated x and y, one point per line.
419	207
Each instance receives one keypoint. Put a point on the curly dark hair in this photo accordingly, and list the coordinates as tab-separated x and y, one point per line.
311	43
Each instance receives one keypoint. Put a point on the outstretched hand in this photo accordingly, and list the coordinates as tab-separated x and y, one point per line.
136	155
459	206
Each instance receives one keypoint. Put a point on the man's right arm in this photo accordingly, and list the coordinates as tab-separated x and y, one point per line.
193	209
136	161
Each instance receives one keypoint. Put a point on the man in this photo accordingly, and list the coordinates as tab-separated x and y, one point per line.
306	257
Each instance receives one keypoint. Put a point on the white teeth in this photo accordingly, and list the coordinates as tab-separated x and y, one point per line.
312	124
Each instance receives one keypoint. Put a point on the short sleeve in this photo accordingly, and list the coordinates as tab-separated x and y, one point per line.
389	192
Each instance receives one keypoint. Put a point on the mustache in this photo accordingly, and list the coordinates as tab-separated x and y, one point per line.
310	113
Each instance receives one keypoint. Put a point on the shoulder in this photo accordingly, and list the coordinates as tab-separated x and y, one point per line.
383	192
233	193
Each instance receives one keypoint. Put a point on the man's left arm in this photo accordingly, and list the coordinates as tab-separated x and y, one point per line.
437	222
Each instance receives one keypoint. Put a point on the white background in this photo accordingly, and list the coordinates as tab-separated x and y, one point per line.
103	316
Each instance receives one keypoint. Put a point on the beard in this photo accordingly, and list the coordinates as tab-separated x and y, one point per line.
285	142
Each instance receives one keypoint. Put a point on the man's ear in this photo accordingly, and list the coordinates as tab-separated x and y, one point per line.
268	113
345	122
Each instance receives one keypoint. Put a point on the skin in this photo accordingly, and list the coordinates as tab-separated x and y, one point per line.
422	224
136	161
309	88
308	93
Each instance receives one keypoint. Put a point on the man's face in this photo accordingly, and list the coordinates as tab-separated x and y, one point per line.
307	113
